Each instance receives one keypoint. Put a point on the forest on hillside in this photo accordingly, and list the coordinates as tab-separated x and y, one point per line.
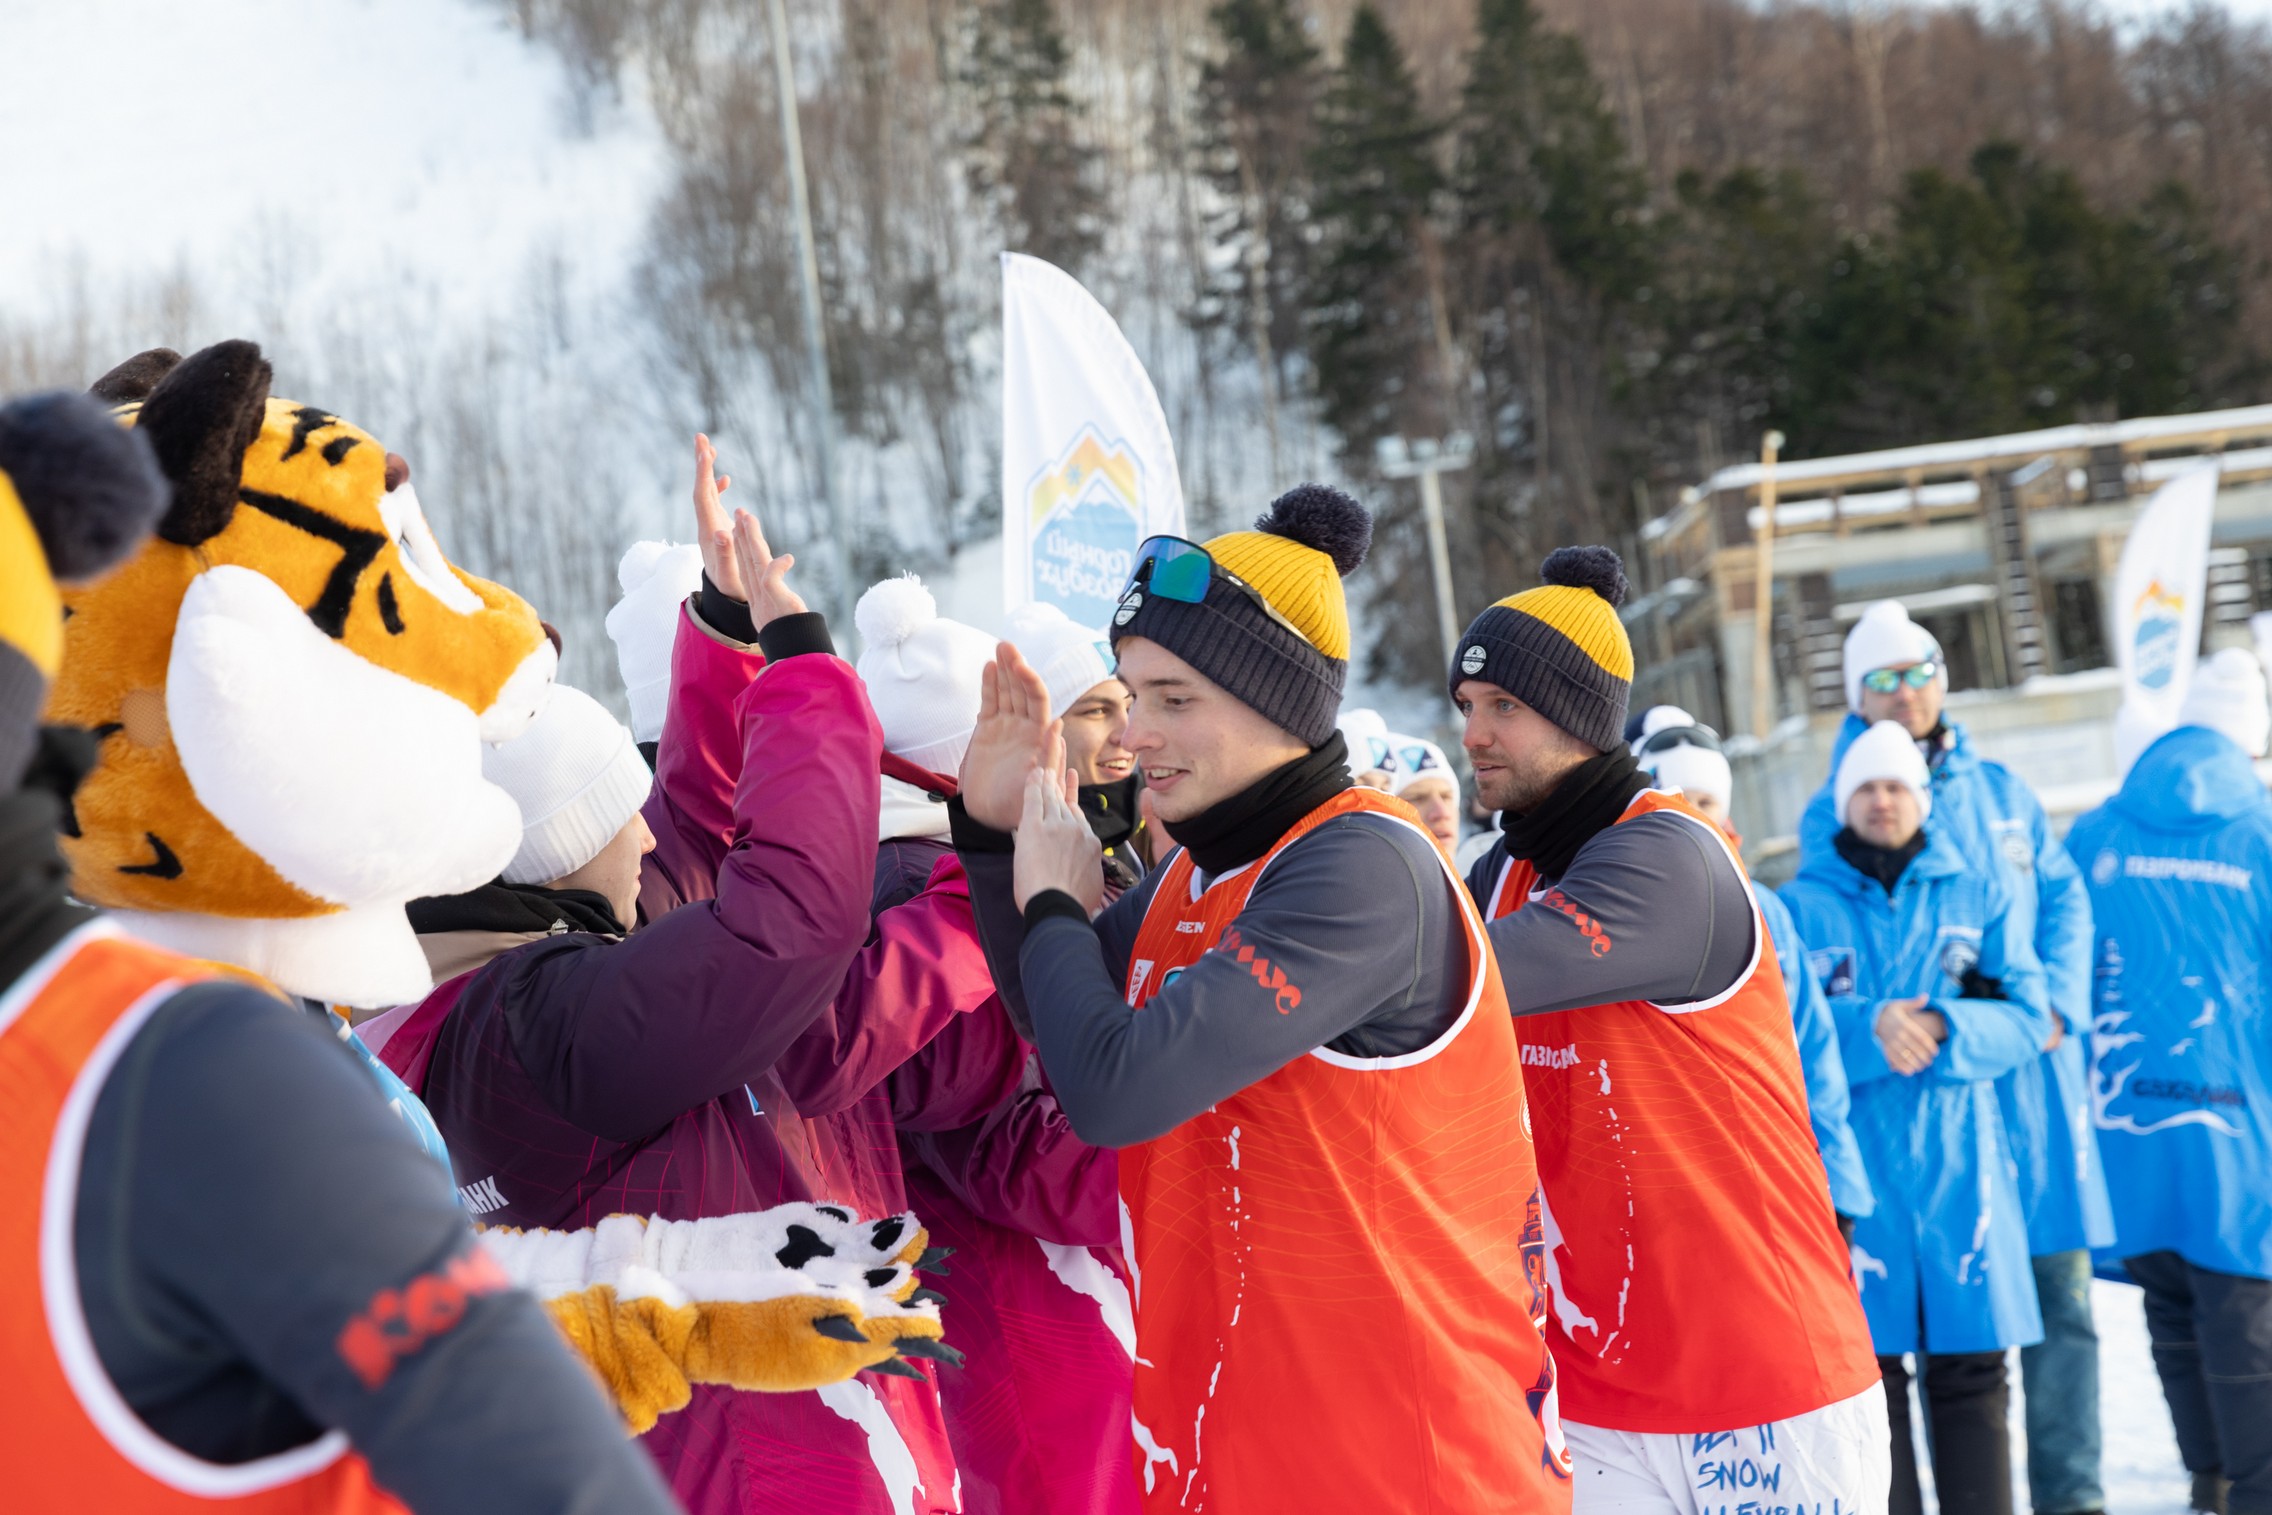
1611	241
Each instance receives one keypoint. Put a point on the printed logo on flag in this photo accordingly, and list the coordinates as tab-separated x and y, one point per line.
2159	615
1086	513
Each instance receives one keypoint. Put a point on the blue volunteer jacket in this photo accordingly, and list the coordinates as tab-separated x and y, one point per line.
2179	865
1947	1245
1828	1101
1985	808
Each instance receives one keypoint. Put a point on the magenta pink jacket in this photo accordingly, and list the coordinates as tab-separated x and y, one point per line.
735	1054
1039	1412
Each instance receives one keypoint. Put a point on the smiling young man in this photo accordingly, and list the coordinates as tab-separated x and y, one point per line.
1706	1332
1294	1032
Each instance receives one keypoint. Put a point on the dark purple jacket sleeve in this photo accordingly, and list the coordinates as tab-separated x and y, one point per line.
1022	1167
920	970
621	1038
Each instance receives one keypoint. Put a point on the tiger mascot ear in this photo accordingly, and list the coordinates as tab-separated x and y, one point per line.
200	414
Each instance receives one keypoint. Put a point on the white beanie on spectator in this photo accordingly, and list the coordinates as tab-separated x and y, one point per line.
656	578
1367	735
1692	770
1885	751
1071	659
922	672
2227	696
1658	718
1884	637
1413	758
578	778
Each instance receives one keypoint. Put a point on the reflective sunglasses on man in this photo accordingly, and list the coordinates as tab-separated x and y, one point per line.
1887	680
1180	570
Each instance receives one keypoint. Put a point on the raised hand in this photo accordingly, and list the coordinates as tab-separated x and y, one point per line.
1010	741
764	575
1057	849
711	529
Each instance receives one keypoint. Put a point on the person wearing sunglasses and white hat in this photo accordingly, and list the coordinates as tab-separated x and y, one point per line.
1895	672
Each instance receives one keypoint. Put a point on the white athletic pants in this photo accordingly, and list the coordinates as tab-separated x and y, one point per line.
1837	1460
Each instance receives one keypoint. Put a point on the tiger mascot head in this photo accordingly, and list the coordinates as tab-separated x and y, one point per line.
290	686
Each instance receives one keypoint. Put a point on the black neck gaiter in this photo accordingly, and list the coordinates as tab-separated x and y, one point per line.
1587	802
1235	831
521	908
1885	864
1111	809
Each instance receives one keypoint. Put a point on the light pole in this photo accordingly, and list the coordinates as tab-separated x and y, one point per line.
1425	458
1763	612
823	402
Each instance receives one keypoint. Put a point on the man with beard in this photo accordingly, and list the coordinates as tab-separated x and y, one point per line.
1708	1338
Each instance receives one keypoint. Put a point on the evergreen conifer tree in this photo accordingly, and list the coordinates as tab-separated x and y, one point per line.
1027	156
1258	99
1374	184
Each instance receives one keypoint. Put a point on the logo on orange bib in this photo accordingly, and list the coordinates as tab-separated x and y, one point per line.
1588	927
1268	975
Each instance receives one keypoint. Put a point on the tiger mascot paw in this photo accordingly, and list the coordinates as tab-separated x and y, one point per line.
786	1299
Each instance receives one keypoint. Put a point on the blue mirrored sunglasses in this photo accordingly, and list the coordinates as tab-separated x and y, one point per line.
1180	570
1887	680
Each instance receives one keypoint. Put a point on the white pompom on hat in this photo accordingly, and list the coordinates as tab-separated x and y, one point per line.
1885	751
1692	770
578	778
922	672
1071	659
656	578
2227	696
1884	637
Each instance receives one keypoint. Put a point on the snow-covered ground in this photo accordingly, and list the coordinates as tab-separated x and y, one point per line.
2141	1471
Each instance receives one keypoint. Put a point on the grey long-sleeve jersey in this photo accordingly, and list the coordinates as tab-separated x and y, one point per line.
1661	889
248	1209
1358	913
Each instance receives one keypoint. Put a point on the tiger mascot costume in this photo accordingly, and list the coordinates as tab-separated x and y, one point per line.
289	687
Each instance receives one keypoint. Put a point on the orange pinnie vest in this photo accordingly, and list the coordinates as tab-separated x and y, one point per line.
1333	1308
69	1442
1697	1277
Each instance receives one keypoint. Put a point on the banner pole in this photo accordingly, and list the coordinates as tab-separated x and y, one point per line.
1763	607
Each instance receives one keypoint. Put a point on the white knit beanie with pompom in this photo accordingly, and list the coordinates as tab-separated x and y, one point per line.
922	672
656	578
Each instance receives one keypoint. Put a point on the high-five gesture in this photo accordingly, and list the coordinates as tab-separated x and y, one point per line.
1057	848
1010	741
711	529
765	576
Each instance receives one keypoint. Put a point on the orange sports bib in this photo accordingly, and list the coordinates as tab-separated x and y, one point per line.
1698	1280
1333	1309
68	1441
